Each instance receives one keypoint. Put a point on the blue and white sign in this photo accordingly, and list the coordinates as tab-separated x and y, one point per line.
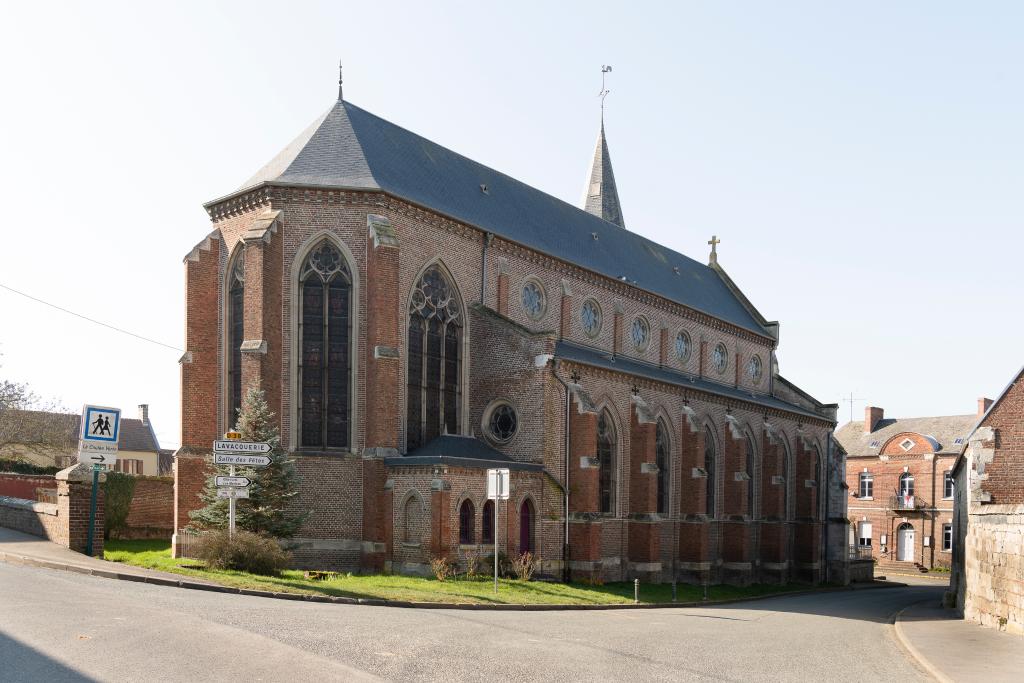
97	441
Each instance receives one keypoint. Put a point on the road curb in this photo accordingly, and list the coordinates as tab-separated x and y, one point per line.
904	641
26	560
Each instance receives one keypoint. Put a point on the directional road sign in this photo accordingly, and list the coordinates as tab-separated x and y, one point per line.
232	493
232	446
497	484
97	441
233	481
240	459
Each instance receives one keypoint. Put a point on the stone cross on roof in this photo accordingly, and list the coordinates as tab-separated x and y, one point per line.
714	242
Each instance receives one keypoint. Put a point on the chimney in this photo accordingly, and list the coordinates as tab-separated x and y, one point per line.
144	413
983	405
872	416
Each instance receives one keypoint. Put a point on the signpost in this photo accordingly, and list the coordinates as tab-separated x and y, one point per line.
233	451
497	489
97	444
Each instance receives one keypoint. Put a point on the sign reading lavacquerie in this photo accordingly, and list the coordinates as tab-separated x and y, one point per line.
231	446
97	442
240	459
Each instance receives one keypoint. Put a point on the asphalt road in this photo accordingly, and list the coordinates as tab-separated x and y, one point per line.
58	626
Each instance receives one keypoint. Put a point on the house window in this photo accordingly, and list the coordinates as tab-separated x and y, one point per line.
324	363
467	522
906	484
948	485
661	450
487	523
864	534
867	485
709	467
947	537
907	444
236	335
606	460
128	466
433	358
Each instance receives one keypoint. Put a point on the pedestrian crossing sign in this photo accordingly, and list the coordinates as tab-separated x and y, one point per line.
100	425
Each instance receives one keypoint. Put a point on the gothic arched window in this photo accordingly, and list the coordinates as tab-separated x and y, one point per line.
606	461
236	335
750	477
410	520
433	357
467	522
325	368
786	480
661	451
709	468
487	523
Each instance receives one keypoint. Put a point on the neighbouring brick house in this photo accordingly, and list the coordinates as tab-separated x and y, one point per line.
988	523
899	474
51	440
416	317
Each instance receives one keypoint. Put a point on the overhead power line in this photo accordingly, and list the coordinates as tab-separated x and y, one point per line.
92	320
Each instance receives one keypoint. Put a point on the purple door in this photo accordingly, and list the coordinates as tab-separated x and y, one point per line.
526	527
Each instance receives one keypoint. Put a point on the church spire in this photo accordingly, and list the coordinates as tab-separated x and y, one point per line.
602	195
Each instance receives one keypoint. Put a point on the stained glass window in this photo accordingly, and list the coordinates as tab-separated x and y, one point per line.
433	360
502	423
606	460
754	369
661	450
709	468
487	523
467	522
750	480
236	335
590	317
720	358
325	364
533	300
682	345
641	333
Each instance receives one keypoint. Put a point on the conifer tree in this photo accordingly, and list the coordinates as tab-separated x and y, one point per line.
273	487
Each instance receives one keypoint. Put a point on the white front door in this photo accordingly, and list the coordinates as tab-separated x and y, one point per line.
905	547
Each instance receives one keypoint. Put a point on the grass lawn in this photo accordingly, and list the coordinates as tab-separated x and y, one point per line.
157	555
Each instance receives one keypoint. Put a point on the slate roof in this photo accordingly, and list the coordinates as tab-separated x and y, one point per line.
44	425
460	451
942	431
349	147
602	359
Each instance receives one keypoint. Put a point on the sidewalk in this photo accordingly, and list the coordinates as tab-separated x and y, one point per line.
19	548
952	649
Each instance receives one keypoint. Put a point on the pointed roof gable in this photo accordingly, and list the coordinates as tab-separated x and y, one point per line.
350	148
602	195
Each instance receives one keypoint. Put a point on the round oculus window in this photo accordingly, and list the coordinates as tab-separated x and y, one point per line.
533	300
720	358
590	318
640	333
682	345
502	422
754	369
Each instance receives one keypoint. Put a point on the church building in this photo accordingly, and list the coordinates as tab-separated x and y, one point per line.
416	318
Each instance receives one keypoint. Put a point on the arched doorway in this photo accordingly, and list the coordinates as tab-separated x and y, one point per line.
526	527
905	542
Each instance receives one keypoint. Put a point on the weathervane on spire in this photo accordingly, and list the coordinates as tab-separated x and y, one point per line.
604	91
339	80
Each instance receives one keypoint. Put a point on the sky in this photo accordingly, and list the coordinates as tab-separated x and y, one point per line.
861	163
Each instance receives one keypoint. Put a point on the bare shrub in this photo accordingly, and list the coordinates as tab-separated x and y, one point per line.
442	568
245	551
473	559
525	565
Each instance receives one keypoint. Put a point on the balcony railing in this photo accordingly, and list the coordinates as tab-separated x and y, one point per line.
906	502
860	552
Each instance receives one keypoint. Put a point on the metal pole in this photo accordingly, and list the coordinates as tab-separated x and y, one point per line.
673	591
92	511
636	591
496	501
231	510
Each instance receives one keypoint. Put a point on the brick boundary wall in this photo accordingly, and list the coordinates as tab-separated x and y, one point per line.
995	567
66	522
151	514
14	485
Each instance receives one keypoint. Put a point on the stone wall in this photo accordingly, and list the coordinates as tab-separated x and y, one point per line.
995	567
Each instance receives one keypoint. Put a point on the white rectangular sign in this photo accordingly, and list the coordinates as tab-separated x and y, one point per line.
232	446
240	459
233	481
497	484
97	439
232	493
